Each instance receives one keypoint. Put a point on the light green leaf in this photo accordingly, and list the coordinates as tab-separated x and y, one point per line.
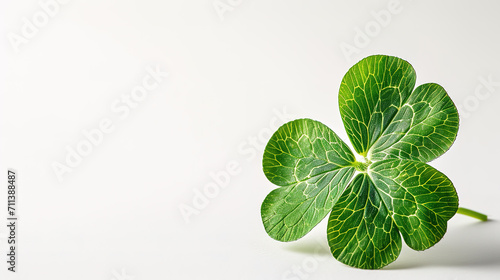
385	118
361	233
419	199
423	129
371	93
313	166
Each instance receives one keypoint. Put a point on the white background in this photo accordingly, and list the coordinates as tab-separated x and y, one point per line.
234	75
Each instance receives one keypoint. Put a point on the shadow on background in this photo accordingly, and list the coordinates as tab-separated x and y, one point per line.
310	246
473	245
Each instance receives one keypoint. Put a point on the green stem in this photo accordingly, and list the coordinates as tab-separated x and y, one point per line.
471	213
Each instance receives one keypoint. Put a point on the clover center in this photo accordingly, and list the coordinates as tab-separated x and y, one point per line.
362	165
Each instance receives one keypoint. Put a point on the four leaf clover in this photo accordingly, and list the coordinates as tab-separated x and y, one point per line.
393	193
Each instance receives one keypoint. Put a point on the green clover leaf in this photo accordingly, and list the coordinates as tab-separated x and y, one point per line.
393	193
